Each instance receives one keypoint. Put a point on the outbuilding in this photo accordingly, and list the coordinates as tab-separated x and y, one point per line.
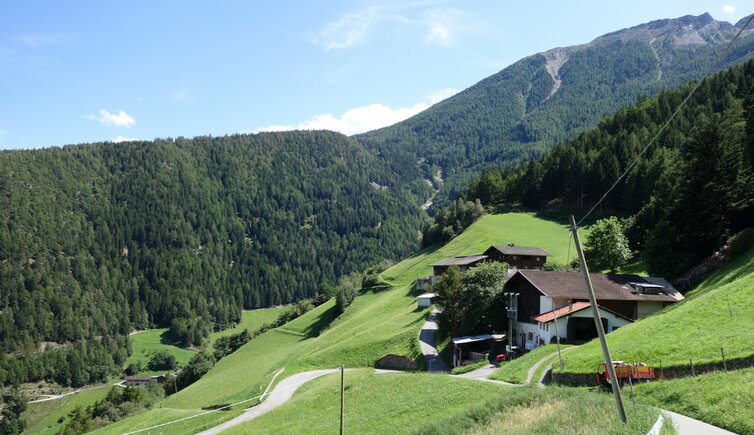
426	300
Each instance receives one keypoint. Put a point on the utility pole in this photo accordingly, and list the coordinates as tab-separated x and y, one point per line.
342	402
598	324
512	313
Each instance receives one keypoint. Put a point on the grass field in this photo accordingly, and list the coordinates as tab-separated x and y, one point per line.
692	329
42	417
379	322
145	343
437	404
251	320
515	371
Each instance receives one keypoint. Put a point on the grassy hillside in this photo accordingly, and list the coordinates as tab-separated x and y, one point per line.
42	417
145	343
423	403
695	328
251	320
377	323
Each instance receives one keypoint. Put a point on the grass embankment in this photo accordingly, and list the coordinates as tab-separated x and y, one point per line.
145	343
379	322
695	328
251	320
722	398
437	404
469	367
43	417
515	371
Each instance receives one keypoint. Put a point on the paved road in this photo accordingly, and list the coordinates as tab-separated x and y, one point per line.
279	395
689	426
427	344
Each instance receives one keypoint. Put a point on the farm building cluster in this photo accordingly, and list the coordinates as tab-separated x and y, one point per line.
550	304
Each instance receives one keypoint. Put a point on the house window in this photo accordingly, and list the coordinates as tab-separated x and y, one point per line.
530	336
515	257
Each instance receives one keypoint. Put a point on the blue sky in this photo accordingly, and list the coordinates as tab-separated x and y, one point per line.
84	71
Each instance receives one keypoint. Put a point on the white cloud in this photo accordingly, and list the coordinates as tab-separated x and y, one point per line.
442	26
439	26
120	119
348	30
119	139
728	9
362	119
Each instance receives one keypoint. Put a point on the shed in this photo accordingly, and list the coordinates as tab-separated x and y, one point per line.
425	300
471	348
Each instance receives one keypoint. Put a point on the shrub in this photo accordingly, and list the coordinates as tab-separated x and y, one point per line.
741	242
162	360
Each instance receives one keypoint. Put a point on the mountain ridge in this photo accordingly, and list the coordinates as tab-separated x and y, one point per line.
543	99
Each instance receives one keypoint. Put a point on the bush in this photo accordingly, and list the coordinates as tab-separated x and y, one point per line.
134	368
162	360
741	242
230	343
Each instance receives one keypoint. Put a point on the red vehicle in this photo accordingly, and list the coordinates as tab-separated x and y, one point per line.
623	371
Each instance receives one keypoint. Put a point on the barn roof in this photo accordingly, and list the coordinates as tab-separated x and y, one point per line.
521	250
462	260
570	309
609	287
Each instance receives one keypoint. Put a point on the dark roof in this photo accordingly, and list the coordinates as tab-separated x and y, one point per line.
520	250
462	260
572	308
610	287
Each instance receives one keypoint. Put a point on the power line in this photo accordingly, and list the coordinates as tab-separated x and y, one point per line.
224	407
678	109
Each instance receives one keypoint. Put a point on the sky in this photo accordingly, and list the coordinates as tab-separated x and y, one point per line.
89	71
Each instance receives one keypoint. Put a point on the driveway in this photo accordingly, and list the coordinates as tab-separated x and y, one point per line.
427	344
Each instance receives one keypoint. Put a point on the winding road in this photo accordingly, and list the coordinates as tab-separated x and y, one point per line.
280	394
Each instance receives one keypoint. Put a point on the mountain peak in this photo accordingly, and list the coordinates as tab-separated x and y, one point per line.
685	30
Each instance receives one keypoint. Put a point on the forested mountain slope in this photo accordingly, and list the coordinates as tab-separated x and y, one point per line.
523	110
100	239
691	190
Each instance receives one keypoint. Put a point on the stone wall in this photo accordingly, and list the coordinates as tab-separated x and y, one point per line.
396	362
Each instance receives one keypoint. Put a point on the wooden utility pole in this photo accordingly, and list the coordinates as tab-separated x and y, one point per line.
598	324
342	402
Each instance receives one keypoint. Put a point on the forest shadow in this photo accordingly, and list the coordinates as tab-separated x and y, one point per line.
167	339
322	322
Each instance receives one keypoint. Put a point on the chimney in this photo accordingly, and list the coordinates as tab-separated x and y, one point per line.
570	306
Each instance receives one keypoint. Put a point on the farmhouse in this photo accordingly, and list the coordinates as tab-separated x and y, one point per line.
554	304
140	381
520	257
464	263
